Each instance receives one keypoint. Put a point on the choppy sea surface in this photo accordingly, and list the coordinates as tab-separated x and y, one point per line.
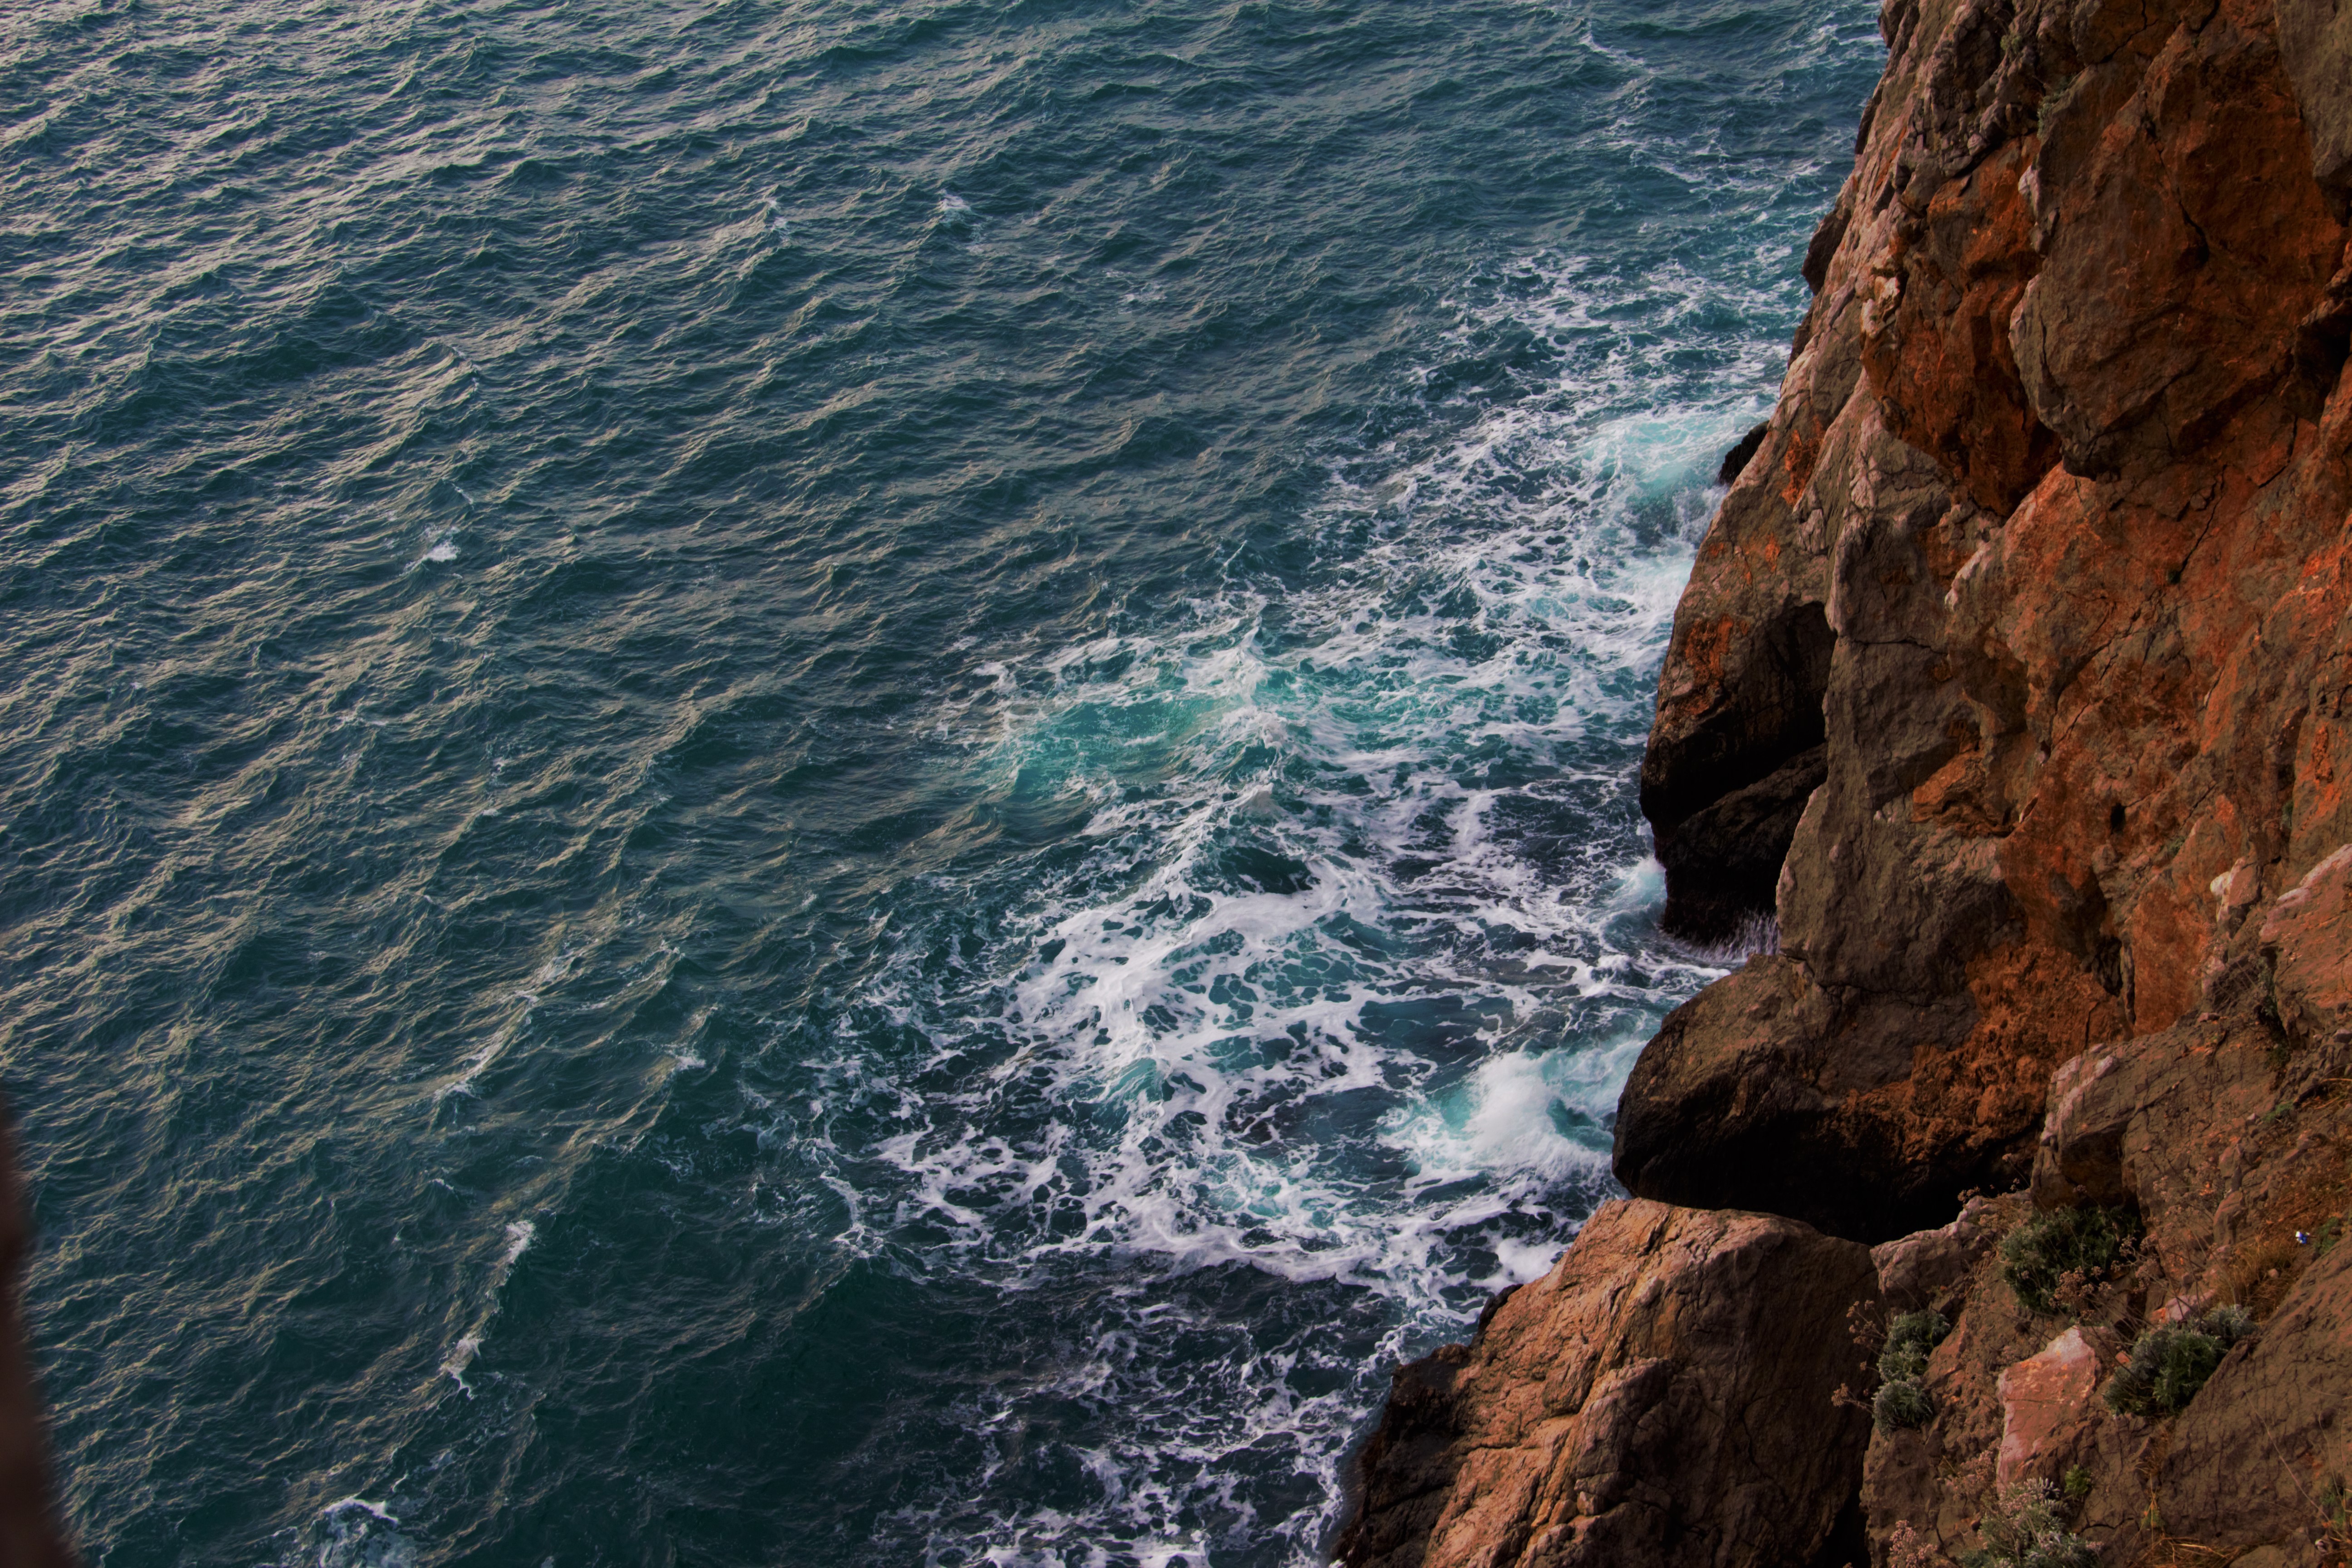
837	782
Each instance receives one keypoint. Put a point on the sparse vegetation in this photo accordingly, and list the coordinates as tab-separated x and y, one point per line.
1902	1401
2024	1530
2053	99
2335	1541
1901	1405
2171	1361
2062	1249
2077	1485
1909	1339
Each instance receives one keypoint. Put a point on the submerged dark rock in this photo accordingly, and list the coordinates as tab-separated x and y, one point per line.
29	1534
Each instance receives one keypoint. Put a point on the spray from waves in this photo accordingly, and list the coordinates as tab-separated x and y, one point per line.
519	1234
1370	840
1353	951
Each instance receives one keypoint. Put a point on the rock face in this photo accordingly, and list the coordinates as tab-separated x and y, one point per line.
1666	1393
2061	467
2014	681
2232	1148
29	1528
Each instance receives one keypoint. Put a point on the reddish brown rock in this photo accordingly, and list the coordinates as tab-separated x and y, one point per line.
2047	1412
2253	1458
2316	40
2307	938
1938	350
29	1525
2179	252
1665	1395
2081	724
2033	608
2233	1154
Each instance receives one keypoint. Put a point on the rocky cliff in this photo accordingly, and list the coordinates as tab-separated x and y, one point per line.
2014	681
29	1532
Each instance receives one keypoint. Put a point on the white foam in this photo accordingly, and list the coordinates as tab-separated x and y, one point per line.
373	1509
1151	990
461	1356
1358	948
1517	1262
519	1236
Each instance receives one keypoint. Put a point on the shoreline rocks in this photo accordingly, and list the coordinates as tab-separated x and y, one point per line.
1609	1412
2014	682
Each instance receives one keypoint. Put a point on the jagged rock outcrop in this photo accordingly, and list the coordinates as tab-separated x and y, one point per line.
2021	650
2061	461
2227	1144
1666	1393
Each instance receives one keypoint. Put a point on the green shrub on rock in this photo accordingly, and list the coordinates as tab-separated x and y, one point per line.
1909	1338
2025	1529
2171	1361
2038	1258
1902	1362
1900	1405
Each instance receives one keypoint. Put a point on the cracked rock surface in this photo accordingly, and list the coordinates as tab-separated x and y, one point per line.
2014	682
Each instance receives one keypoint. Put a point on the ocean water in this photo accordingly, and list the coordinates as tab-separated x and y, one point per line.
836	782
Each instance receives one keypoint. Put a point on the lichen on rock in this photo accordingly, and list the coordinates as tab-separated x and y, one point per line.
2014	682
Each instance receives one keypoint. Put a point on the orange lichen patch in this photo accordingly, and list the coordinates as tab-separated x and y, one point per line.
1942	364
2034	1004
1696	661
2034	1010
2170	935
1804	451
1960	795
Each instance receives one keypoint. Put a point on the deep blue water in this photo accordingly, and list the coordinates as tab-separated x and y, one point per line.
834	783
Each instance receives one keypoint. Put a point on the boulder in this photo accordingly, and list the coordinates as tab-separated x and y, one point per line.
2048	1409
1929	1269
1667	1396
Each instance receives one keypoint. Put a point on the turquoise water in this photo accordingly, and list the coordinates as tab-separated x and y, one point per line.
838	783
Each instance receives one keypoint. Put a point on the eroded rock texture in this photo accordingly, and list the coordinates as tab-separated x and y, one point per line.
2014	681
2059	464
2229	1145
1664	1395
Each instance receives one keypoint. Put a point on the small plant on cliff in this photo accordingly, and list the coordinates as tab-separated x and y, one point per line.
2025	1529
2054	102
1907	1548
1901	1405
2171	1361
2335	1541
2038	1256
1902	1401
1909	1338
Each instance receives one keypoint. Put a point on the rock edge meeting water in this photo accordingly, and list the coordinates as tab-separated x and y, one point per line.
834	783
